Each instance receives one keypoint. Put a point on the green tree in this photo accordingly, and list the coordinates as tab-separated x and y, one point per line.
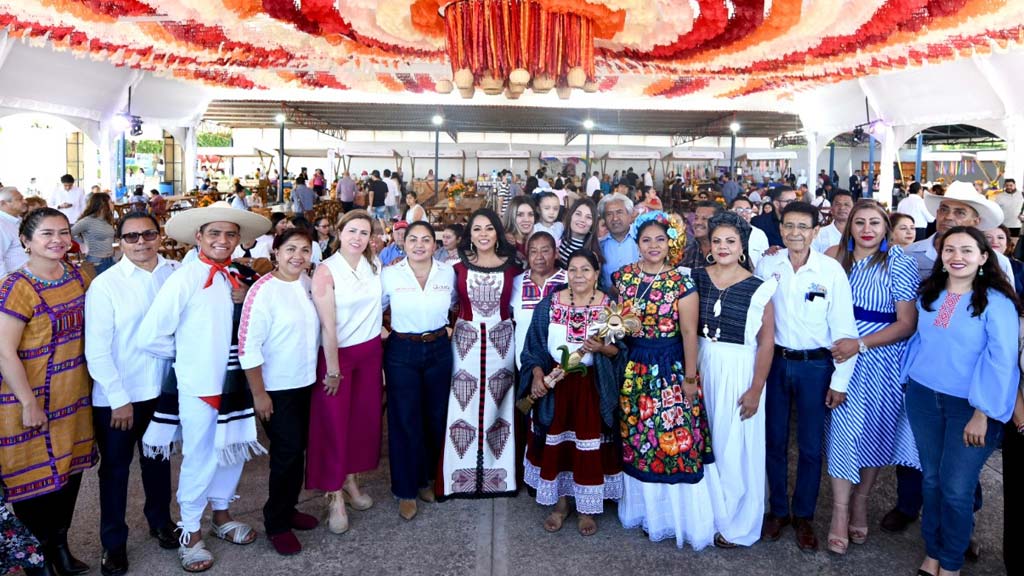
213	139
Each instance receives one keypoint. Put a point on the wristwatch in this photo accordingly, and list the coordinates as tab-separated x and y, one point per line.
862	347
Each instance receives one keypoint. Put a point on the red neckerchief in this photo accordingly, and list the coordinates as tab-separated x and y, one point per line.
218	268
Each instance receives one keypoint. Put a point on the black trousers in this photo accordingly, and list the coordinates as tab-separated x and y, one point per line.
288	431
117	450
48	517
1013	500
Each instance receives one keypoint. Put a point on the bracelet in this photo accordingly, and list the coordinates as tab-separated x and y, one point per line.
333	375
693	380
1020	428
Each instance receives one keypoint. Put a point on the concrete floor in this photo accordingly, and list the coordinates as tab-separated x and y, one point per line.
505	537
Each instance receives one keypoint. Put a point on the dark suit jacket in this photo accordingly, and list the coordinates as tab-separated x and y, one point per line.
770	226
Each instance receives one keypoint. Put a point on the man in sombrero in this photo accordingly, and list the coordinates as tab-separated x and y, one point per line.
194	320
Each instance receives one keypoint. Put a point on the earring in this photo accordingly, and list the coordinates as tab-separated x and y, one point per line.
849	245
981	271
743	258
884	247
944	269
710	258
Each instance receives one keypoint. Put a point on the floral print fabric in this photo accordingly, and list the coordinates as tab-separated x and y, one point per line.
665	440
18	547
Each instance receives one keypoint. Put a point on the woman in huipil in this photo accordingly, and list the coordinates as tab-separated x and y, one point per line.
665	430
737	329
573	450
479	452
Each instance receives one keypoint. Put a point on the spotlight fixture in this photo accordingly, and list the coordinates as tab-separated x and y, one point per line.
858	135
437	120
280	118
136	126
588	124
734	127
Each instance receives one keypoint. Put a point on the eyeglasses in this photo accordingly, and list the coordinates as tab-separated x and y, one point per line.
742	210
789	227
133	237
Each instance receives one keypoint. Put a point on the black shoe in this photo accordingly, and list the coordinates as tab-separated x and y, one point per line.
114	562
64	564
895	521
166	535
973	553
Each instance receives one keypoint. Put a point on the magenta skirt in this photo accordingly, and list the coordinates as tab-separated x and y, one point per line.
345	429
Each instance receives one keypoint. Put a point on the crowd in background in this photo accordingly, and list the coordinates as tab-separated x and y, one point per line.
893	336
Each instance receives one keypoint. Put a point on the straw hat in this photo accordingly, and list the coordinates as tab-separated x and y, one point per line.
989	212
183	226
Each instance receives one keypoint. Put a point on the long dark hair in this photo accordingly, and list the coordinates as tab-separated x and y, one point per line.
503	248
990	278
99	207
590	241
845	255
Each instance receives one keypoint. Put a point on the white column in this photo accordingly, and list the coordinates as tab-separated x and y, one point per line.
1015	149
813	149
108	157
191	150
886	179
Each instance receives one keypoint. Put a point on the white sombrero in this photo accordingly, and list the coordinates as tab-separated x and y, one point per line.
183	226
989	212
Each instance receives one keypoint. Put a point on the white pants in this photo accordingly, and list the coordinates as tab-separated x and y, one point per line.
202	479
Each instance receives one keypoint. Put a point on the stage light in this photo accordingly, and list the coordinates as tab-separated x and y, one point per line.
437	120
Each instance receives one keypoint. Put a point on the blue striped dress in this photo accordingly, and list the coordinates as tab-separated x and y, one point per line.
870	429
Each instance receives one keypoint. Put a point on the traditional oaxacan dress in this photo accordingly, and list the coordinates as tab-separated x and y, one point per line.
666	443
572	449
479	452
871	428
727	354
34	463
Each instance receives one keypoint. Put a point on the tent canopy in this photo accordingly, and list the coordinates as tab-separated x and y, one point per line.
695	155
503	154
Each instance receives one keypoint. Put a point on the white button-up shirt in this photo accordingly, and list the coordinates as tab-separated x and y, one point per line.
827	237
803	322
280	331
415	310
192	325
115	304
12	253
358	303
914	207
525	297
75	197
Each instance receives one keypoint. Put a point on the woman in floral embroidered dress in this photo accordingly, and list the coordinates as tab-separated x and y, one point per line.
479	450
665	431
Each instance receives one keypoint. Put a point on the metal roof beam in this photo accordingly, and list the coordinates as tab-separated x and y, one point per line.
306	120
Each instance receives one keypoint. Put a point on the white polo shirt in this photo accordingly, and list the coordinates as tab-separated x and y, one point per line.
280	331
827	237
115	304
12	253
415	309
813	306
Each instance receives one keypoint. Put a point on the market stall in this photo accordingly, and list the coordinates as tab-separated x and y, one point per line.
424	187
650	156
508	155
566	159
772	163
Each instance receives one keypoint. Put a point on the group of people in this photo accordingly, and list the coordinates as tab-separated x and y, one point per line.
889	355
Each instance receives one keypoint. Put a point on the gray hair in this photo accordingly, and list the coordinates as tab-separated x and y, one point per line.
614	197
7	193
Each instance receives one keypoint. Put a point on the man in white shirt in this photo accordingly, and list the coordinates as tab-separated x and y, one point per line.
126	384
831	235
393	196
757	244
1010	202
192	320
68	198
593	184
813	309
913	206
649	178
12	208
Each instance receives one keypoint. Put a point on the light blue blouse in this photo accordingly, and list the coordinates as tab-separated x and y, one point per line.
968	357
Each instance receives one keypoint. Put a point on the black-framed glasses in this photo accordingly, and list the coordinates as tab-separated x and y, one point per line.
133	237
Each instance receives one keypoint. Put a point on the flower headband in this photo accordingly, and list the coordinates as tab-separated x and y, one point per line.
655	216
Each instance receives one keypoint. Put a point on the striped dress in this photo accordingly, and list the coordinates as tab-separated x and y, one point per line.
870	429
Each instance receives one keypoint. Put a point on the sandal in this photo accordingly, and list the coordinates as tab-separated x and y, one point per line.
586	525
838	544
235	532
858	534
194	556
721	542
553	523
359	503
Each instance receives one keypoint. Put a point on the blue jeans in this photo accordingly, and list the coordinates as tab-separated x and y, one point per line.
950	470
805	383
380	212
419	378
100	264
